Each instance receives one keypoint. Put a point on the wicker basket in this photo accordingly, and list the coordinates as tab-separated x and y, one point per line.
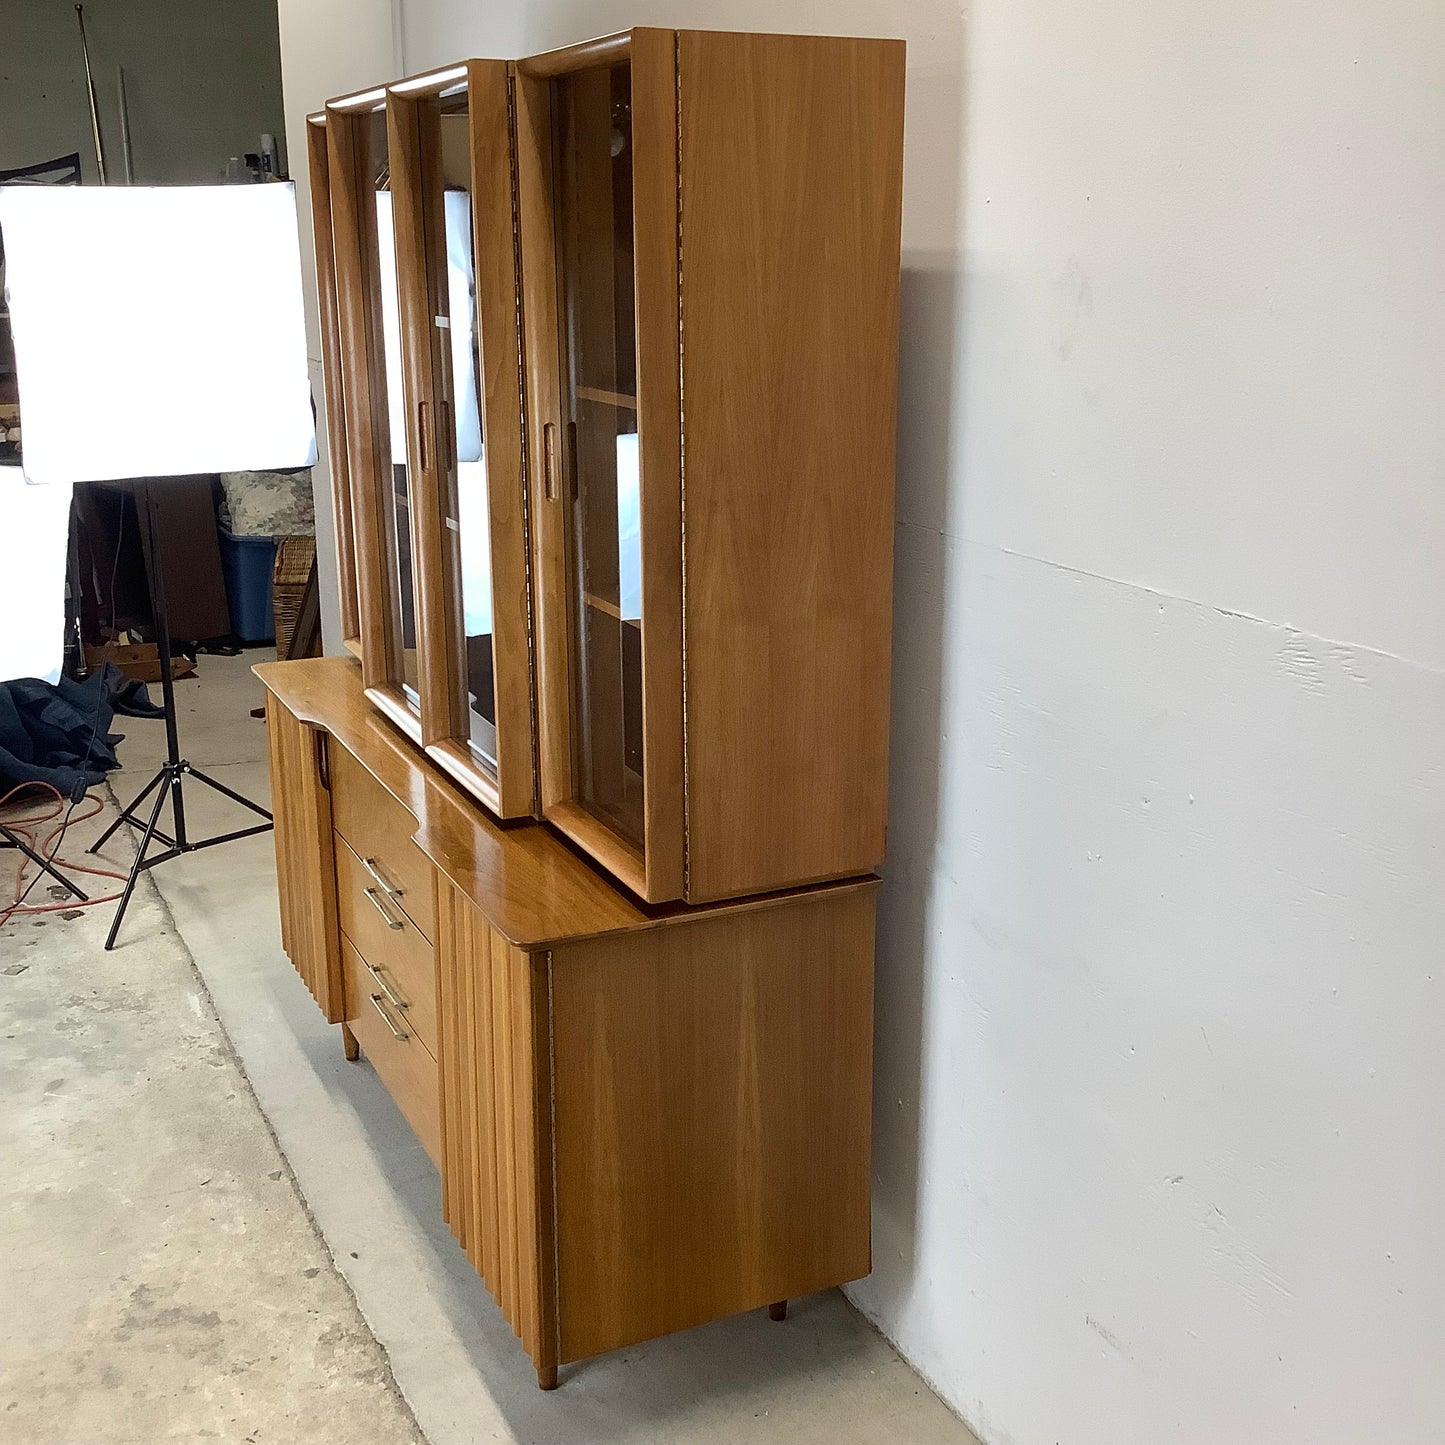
295	557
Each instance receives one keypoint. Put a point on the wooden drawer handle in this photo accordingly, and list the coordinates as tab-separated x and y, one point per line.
397	1033
400	1004
390	889
376	903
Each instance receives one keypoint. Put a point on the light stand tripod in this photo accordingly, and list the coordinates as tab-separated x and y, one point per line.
9	840
168	779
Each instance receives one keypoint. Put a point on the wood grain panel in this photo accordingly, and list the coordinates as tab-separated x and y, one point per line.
712	1105
496	1121
791	182
318	156
305	864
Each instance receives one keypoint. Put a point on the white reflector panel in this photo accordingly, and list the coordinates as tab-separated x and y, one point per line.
158	330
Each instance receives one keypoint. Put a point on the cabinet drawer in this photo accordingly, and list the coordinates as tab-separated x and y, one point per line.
379	828
404	1063
400	955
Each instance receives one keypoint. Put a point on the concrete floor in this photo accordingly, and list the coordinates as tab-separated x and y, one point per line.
159	1276
824	1376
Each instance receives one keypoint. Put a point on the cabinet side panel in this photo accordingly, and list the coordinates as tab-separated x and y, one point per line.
712	1096
280	831
791	192
305	858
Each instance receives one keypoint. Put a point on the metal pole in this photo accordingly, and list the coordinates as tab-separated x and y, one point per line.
124	127
161	622
90	88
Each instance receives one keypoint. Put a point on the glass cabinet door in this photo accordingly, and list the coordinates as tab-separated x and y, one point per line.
376	403
597	166
592	113
384	302
458	270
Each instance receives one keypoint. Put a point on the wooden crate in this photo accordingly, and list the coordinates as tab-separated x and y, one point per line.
295	556
139	660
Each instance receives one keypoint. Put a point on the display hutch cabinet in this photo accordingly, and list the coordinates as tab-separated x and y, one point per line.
582	853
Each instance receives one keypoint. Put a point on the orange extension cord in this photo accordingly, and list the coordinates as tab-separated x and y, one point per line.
48	846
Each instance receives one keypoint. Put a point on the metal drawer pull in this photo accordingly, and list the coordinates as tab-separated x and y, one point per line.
376	903
396	1033
396	1003
391	891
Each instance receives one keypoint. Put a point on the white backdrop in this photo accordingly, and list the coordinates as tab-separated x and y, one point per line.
159	331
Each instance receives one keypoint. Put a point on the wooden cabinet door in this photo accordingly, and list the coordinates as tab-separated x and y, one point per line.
597	191
305	857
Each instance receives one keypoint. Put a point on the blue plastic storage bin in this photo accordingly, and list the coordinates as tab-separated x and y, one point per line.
247	563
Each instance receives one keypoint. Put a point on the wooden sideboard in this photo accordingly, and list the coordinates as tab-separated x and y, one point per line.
610	341
644	1117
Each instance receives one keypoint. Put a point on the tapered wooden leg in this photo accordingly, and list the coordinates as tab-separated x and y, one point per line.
349	1044
778	1310
546	1377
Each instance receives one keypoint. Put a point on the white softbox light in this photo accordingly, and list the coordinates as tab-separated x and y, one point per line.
158	330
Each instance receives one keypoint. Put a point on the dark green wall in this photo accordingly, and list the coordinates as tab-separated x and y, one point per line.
202	80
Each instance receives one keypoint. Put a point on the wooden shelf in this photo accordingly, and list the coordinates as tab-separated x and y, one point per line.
608	398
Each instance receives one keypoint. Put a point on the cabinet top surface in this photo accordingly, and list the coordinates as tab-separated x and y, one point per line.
529	885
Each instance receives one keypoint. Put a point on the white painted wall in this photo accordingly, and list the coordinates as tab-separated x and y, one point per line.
328	48
1160	1135
439	32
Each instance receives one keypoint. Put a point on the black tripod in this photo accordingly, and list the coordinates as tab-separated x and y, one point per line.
9	840
167	781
